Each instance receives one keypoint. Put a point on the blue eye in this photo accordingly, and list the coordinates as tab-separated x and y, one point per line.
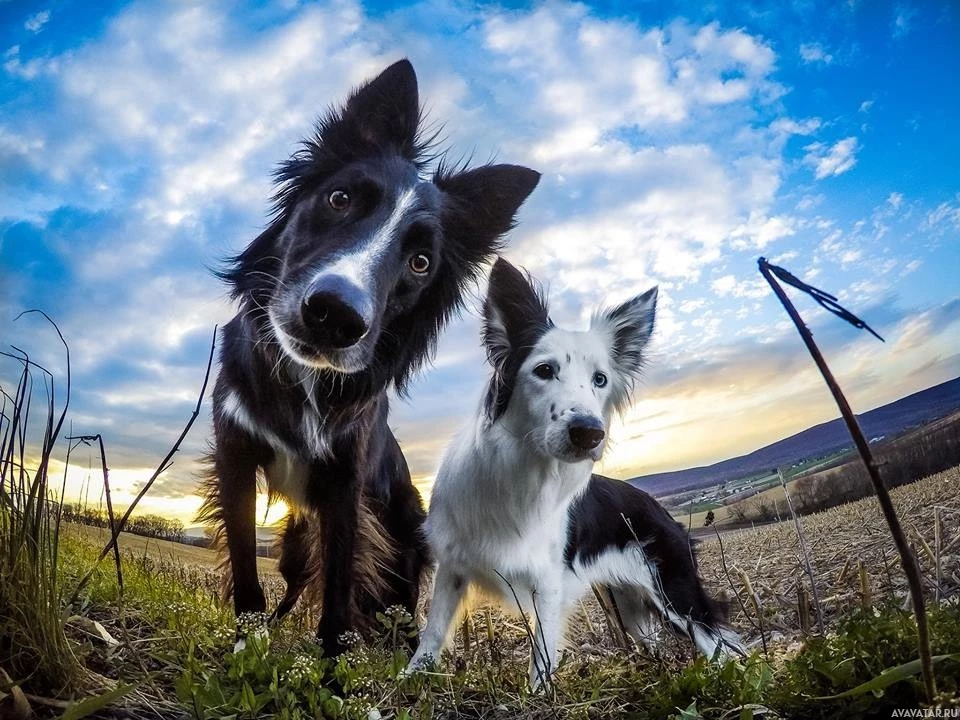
544	371
599	379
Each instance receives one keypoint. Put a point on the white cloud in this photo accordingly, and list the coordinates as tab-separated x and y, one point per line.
36	22
815	53
789	126
903	20
28	69
808	202
866	105
895	200
945	215
12	143
724	285
759	231
832	160
689	306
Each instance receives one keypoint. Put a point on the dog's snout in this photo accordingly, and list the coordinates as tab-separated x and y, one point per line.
586	432
335	311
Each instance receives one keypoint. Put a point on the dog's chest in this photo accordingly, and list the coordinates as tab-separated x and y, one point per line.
494	535
297	437
298	429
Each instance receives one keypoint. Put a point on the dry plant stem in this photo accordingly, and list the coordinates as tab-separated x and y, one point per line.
526	625
726	571
937	549
106	487
52	432
611	615
907	559
803	608
164	464
806	553
110	515
866	596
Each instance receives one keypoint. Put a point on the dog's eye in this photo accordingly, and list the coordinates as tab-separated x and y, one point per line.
419	263
544	371
599	379
339	200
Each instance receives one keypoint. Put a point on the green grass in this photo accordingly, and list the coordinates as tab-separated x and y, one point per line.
175	639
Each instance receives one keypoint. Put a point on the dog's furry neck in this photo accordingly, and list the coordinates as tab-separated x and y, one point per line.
514	479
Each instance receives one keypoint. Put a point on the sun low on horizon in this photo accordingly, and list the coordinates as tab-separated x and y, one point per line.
676	145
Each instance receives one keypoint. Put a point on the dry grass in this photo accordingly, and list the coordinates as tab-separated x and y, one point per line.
163	550
841	540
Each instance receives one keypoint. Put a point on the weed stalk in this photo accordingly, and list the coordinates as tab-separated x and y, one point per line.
907	559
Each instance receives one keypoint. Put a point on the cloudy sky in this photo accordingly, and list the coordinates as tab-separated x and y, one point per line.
677	144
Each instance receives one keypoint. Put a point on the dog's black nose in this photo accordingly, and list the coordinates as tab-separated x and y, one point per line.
333	310
586	432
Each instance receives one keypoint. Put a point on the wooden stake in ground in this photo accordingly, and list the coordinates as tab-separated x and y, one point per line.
907	559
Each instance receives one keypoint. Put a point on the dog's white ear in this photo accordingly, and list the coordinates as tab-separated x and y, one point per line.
515	313
630	326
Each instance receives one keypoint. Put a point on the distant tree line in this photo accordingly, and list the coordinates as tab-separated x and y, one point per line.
154	526
903	460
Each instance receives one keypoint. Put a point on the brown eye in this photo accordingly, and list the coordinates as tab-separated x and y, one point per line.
544	371
339	200
419	263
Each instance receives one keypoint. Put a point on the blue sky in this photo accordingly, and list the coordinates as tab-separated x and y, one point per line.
677	141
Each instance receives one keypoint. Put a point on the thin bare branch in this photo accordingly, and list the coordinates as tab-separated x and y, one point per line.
115	533
907	558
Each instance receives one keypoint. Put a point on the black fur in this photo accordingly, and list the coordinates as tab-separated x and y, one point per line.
515	318
358	481
613	513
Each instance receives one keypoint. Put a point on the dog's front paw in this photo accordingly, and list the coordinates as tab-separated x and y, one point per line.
419	663
252	630
540	681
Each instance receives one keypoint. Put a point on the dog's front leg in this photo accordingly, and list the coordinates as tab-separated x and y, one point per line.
236	458
339	500
548	612
448	591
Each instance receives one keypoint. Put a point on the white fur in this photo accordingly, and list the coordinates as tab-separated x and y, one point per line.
499	512
288	473
234	408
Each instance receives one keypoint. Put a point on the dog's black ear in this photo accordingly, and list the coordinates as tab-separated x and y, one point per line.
483	202
515	313
515	317
630	326
385	111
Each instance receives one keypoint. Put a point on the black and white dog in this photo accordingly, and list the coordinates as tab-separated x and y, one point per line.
341	296
516	510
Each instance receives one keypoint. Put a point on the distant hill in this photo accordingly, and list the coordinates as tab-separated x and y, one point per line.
888	420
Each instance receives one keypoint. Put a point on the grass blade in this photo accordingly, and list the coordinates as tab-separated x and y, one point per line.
889	677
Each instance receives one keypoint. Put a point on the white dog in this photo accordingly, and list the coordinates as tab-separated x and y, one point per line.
516	510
